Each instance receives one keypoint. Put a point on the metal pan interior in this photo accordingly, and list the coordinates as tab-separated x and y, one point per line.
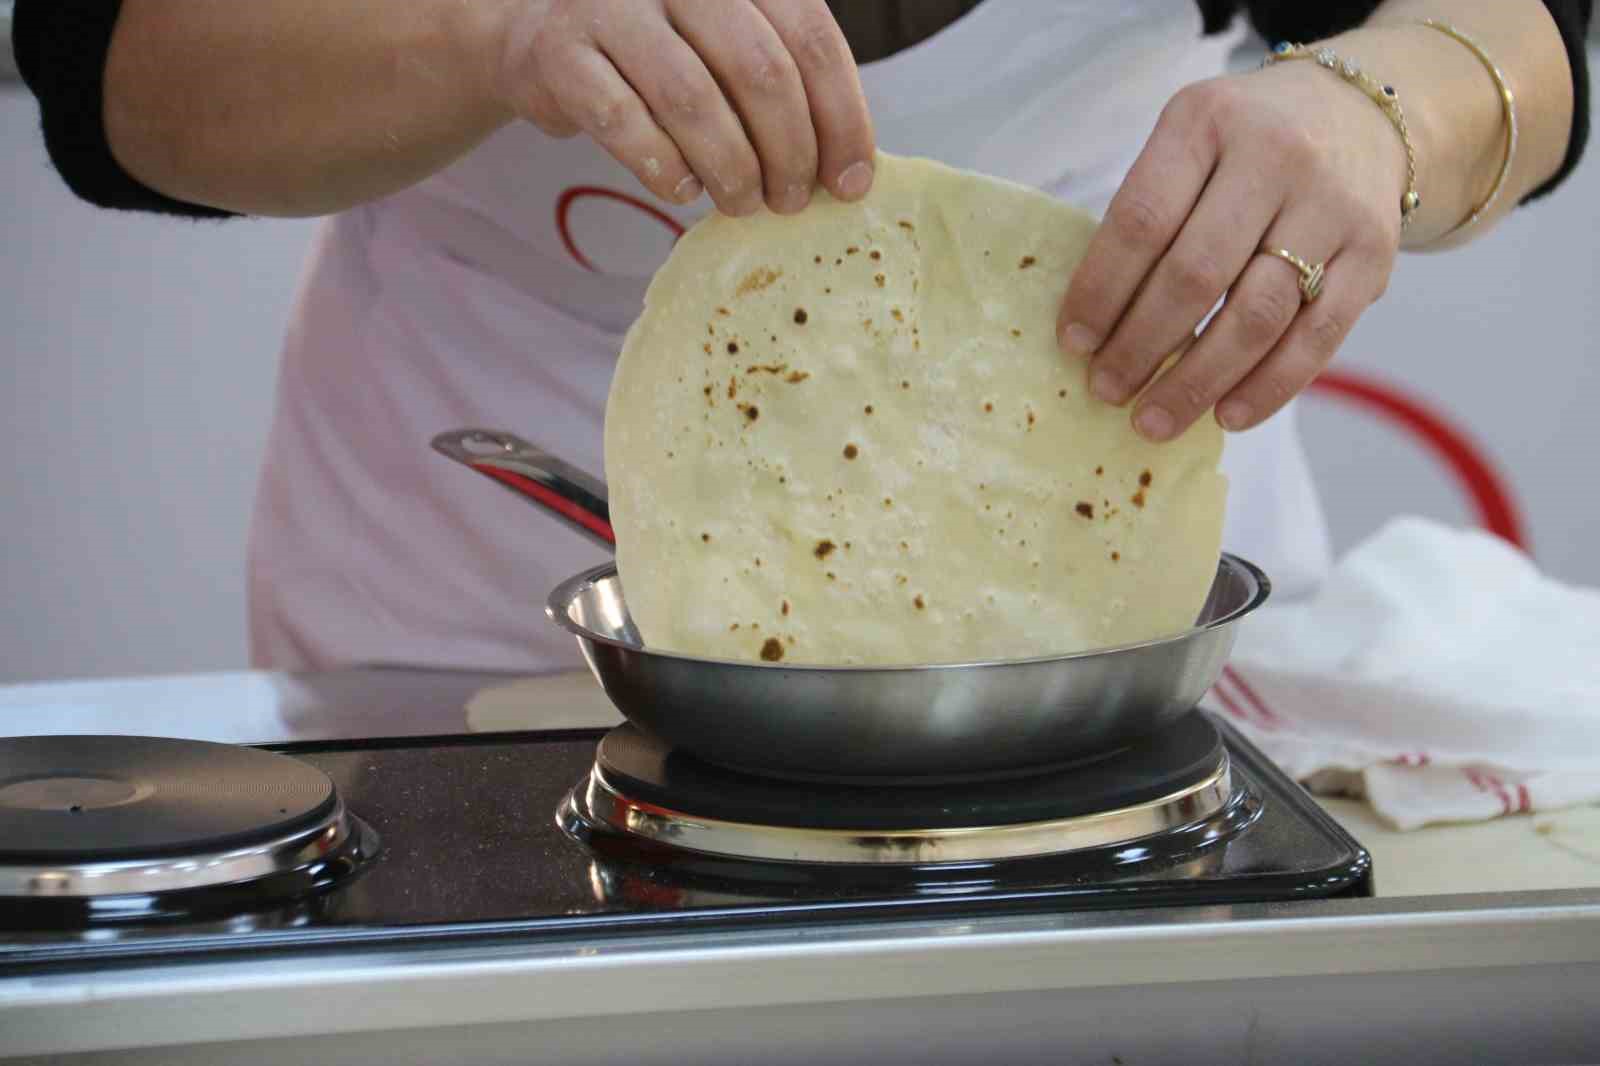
590	606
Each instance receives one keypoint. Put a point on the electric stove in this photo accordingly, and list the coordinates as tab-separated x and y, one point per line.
123	850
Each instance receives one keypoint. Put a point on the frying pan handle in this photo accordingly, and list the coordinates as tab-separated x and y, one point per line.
534	474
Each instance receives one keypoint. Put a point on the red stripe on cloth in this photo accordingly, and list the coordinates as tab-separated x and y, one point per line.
1524	801
1269	717
1504	793
1412	758
1229	704
1484	783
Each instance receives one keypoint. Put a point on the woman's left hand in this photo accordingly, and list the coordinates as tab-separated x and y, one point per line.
1286	157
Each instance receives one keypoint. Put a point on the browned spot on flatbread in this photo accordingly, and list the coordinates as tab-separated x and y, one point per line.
757	279
1138	498
767	368
823	549
797	376
1026	262
905	224
1085	508
875	255
1145	478
800	316
785	608
919	601
772	650
851	451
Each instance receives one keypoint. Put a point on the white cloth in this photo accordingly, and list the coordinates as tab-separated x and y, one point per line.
1437	673
496	293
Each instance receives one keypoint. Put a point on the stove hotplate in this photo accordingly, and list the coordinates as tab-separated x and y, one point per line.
472	853
1176	784
96	828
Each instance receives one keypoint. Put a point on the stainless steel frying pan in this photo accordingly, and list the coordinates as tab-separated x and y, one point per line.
903	723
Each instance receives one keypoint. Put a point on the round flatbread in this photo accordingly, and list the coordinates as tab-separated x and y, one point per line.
848	436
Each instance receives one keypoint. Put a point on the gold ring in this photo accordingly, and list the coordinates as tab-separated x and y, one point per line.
1310	276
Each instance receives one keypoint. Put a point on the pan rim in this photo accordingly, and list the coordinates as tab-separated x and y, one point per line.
563	595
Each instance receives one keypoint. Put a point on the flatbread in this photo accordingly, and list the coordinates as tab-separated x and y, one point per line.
847	436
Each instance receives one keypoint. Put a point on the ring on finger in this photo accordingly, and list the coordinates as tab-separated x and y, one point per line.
1311	274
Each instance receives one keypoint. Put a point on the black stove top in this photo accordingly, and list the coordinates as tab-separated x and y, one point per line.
472	851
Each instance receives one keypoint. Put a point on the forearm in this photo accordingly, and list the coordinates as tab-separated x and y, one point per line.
1452	107
295	107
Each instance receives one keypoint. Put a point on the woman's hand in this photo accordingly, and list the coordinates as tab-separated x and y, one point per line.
750	100
1287	157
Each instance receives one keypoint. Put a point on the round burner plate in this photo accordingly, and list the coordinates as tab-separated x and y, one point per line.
641	788
90	817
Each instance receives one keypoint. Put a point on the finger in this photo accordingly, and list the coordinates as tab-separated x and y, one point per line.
1140	224
1211	250
1354	280
755	70
687	102
592	95
845	142
1260	308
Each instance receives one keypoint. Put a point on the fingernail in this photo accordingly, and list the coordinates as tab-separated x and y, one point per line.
688	189
795	197
1234	415
1154	422
1106	385
1079	340
855	181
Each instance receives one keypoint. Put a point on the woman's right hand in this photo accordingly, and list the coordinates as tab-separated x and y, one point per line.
749	100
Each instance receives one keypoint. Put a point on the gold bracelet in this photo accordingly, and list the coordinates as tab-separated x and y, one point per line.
1508	104
1384	96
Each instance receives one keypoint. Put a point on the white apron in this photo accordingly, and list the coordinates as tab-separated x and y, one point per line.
496	293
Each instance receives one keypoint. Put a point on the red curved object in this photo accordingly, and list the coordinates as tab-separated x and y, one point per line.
1491	497
575	193
551	499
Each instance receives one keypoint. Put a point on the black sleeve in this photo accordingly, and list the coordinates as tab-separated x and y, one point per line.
61	48
1297	20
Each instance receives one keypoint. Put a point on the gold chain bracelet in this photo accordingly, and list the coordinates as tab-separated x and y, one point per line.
1384	96
1508	107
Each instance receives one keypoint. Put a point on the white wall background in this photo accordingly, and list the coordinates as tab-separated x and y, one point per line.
138	360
